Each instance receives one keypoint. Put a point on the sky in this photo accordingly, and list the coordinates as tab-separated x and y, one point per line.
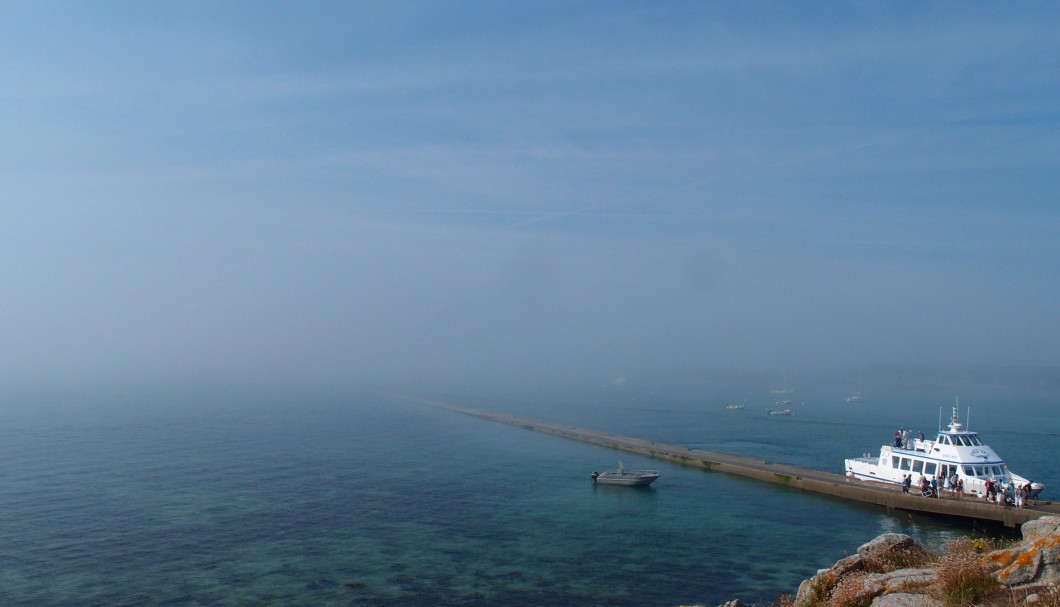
510	194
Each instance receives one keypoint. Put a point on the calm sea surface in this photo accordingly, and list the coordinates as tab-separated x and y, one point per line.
258	498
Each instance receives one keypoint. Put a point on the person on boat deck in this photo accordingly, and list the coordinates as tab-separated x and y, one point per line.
905	439
921	436
898	440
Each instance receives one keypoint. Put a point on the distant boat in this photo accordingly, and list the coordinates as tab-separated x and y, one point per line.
779	411
785	389
855	397
621	476
734	407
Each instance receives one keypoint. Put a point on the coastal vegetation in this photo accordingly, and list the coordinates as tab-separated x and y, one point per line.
893	571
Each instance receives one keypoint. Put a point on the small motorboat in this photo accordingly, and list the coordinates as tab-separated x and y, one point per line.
621	476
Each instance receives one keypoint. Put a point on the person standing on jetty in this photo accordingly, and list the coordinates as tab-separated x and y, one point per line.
906	482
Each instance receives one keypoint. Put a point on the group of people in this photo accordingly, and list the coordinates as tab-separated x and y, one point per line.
902	440
1010	494
996	491
934	487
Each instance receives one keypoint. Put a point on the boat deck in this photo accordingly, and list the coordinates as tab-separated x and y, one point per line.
816	481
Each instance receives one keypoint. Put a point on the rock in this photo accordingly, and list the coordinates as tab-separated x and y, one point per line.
906	580
1039	528
1036	560
888	542
734	603
886	572
906	599
850	564
860	574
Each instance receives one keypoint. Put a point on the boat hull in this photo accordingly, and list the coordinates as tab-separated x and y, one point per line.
627	480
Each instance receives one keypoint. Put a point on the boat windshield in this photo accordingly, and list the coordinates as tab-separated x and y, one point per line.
961	440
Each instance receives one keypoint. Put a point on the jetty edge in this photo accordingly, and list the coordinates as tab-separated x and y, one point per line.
806	479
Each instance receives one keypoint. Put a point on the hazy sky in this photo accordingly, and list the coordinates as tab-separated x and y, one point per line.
524	192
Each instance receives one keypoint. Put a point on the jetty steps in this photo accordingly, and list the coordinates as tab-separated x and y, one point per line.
816	481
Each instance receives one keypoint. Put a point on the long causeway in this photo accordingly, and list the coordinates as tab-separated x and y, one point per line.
825	483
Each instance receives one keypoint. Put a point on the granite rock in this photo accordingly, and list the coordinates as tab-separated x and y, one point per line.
906	599
1035	560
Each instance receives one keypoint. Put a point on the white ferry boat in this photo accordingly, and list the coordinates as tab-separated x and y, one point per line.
953	451
621	476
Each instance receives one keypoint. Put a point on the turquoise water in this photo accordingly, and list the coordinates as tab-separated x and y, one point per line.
291	498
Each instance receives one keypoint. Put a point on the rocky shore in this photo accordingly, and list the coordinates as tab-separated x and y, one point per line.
893	571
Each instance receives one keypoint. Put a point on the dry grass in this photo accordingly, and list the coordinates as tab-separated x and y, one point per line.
785	600
820	590
962	577
911	558
1045	597
850	592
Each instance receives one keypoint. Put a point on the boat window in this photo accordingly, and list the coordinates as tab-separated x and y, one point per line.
967	442
979	471
918	466
929	468
894	461
975	440
905	463
945	440
1004	470
969	471
997	470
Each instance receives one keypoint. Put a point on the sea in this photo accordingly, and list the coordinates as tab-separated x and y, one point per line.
228	496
